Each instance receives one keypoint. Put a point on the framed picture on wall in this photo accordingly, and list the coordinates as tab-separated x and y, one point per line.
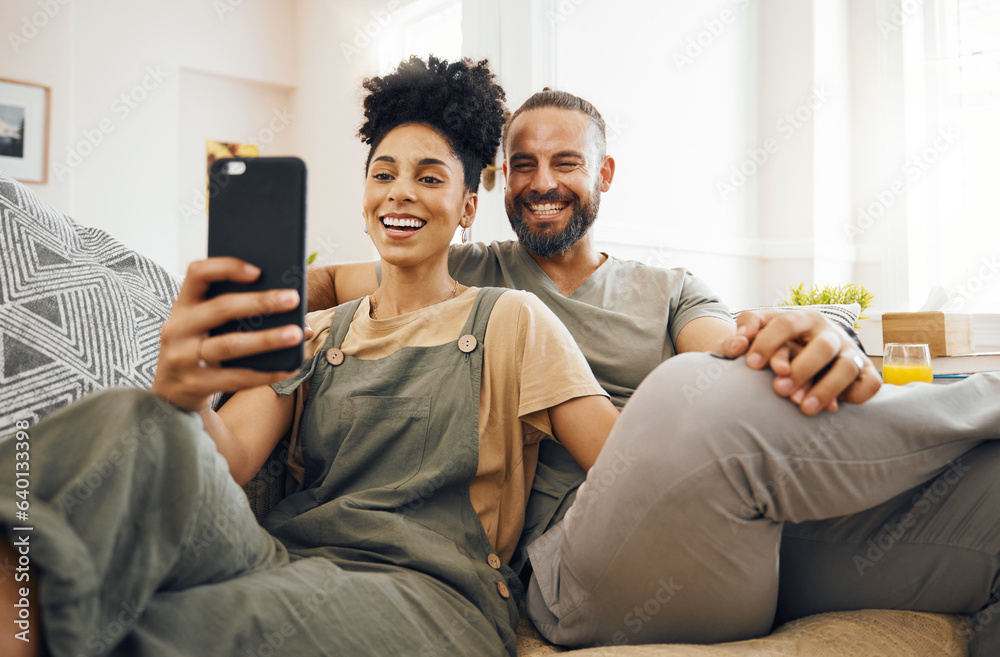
24	130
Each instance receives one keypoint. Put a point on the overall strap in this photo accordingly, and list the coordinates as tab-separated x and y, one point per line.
341	323
480	315
338	329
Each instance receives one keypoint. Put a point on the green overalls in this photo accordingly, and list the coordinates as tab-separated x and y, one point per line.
143	544
391	446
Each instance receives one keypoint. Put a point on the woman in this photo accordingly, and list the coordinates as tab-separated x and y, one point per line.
417	412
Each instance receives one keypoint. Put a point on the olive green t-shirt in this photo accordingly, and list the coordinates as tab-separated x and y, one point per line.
625	317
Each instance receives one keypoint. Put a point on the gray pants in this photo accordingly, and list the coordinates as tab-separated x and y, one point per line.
710	482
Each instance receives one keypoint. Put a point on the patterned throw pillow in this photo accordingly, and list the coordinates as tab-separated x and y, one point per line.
845	315
79	311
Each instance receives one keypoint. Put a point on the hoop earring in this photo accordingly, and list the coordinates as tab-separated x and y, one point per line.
466	235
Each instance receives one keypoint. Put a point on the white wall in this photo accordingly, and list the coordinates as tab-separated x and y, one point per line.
692	93
115	69
45	58
804	101
228	109
675	82
333	61
730	122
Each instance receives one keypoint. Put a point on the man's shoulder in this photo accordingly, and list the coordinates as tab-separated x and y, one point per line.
642	272
497	250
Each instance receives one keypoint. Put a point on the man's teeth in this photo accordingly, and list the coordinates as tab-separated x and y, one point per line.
548	208
403	223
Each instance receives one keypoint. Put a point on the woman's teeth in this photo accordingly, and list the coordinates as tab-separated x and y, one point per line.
548	208
395	222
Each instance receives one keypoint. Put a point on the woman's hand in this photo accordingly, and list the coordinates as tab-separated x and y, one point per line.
188	371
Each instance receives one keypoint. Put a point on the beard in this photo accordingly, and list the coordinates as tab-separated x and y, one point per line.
548	245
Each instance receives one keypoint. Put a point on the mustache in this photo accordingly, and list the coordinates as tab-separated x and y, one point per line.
534	198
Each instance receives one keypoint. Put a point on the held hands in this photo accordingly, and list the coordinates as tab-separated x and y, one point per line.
798	346
188	371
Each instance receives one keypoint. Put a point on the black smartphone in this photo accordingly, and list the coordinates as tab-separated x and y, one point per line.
257	212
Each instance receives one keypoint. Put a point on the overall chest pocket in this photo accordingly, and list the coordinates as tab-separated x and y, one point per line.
383	443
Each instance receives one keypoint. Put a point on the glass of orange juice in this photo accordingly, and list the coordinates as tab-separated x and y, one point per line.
904	363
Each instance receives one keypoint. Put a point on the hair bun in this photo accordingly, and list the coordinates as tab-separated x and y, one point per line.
462	100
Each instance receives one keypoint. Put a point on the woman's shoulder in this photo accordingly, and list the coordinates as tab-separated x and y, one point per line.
509	296
513	302
320	322
518	311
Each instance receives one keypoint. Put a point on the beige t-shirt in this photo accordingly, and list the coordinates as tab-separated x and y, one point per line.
530	364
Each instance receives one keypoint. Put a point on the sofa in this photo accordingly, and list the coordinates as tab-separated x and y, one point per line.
79	312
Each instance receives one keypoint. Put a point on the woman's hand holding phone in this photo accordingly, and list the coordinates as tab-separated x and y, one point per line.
188	371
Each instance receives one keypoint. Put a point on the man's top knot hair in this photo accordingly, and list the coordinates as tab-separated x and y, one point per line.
462	100
549	97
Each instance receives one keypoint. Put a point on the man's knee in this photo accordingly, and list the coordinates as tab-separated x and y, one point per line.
704	384
697	399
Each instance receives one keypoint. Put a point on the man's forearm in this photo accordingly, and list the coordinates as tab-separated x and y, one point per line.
336	284
321	292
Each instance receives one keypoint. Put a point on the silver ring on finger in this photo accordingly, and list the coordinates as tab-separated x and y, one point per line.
202	363
855	358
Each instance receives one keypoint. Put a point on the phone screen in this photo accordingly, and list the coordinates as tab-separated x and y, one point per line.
256	212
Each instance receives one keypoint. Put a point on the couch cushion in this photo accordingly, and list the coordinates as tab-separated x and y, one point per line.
79	311
886	633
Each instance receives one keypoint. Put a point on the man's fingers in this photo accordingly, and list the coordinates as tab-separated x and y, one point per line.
248	343
781	361
202	273
864	387
815	357
786	327
842	380
750	322
735	346
840	376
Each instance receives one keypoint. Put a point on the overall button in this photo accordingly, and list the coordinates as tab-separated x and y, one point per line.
494	561
467	343
504	591
334	356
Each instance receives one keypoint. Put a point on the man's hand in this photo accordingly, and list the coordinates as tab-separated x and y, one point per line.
798	346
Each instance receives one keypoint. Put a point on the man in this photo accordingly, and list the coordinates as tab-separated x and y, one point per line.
694	458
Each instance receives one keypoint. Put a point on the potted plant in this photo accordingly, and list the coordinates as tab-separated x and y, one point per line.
828	294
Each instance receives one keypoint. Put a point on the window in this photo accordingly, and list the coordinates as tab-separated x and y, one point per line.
952	100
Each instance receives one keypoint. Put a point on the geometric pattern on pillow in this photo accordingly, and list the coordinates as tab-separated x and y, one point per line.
845	315
79	311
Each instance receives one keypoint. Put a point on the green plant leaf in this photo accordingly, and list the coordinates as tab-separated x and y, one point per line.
828	294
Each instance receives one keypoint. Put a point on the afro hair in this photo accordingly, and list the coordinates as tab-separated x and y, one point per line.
461	100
